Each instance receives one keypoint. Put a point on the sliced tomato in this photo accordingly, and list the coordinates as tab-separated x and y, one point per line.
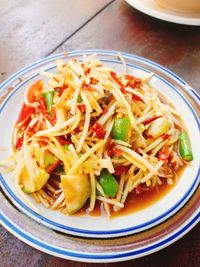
34	90
25	115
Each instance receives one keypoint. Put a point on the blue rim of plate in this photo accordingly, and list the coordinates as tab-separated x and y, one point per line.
98	257
101	233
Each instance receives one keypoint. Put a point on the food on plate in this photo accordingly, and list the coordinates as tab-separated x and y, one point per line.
90	135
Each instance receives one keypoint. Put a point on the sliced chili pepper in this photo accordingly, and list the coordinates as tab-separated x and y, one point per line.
87	71
64	141
99	130
117	80
109	148
112	150
52	118
165	136
62	89
81	108
43	106
119	170
19	142
137	98
53	166
149	120
117	152
87	87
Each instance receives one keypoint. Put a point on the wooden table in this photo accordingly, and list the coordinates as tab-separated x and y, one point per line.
34	29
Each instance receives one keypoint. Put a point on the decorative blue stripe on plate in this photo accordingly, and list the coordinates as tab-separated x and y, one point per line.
46	247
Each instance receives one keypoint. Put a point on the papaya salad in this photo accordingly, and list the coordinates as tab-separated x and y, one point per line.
92	135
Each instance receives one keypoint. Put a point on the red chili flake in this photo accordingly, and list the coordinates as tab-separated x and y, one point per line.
53	166
137	98
99	130
119	170
62	89
77	130
112	150
87	87
19	142
164	154
138	189
64	141
165	136
117	80
42	103
133	82
42	143
87	71
105	110
149	120
82	108
93	81
52	118
117	152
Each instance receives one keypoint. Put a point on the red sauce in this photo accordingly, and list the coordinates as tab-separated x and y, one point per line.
134	202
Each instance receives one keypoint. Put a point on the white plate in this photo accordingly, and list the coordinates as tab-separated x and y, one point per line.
88	226
149	7
137	245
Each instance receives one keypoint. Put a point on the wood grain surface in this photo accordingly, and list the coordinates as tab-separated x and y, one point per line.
33	29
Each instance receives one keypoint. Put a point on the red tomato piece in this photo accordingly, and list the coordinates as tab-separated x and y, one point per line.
25	115
34	90
99	130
